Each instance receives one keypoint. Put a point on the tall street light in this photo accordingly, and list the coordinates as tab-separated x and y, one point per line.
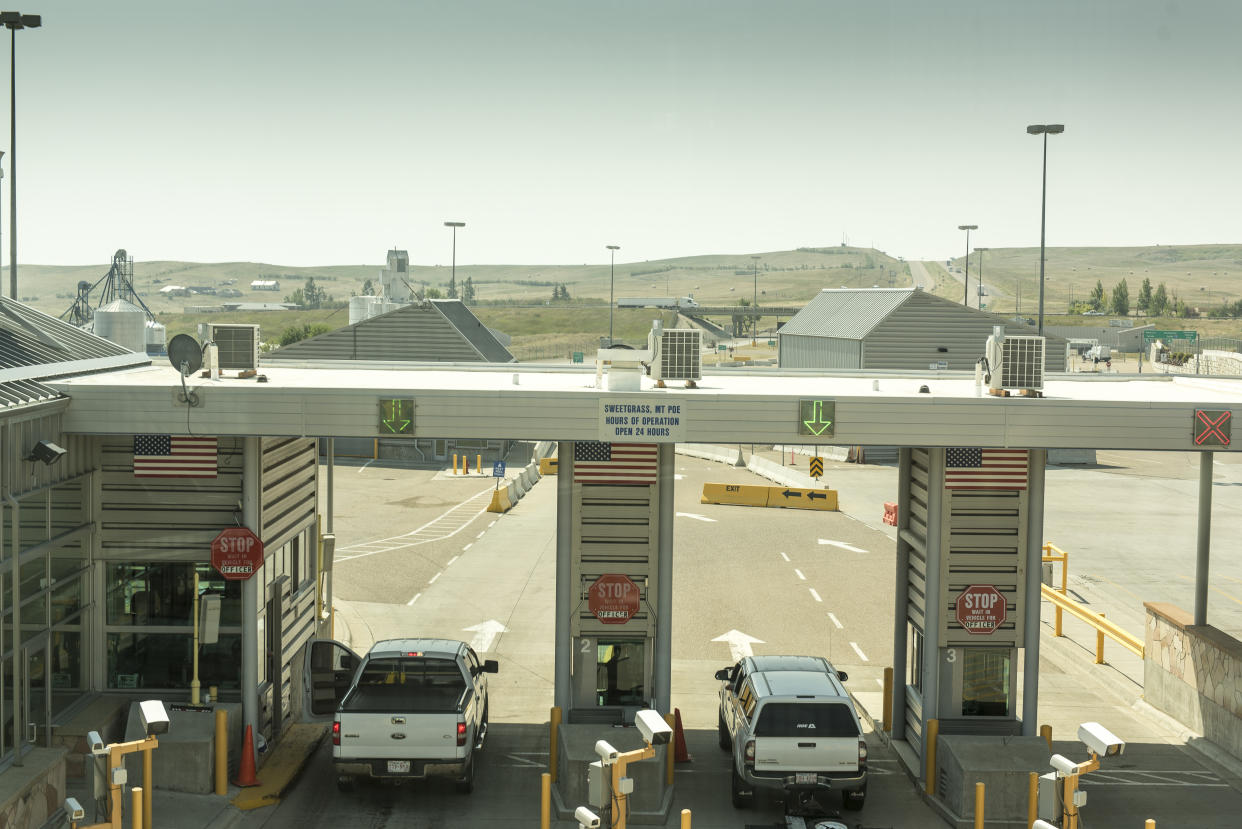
14	21
754	326
454	225
1045	130
612	283
966	281
980	301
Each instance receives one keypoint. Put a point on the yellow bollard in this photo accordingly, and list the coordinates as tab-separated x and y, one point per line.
929	750
454	463
222	751
148	787
888	700
465	464
554	725
670	752
1099	645
478	463
979	805
1045	731
1150	824
685	819
1032	799
135	807
545	800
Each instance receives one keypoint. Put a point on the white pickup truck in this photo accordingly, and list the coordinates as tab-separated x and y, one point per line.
410	709
793	731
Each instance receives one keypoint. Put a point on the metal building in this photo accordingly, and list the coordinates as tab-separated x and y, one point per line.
894	329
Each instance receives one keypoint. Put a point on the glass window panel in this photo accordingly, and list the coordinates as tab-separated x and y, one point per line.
34	576
164	660
64	654
66	600
619	671
161	593
914	657
985	682
6	707
34	615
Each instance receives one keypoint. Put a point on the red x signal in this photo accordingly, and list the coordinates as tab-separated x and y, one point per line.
1212	427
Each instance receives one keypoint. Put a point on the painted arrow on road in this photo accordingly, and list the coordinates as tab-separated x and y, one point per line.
484	634
842	545
695	516
739	643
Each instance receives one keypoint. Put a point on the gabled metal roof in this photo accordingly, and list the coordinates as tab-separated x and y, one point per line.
846	313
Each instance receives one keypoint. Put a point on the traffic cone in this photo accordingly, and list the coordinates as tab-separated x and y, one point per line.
681	754
245	771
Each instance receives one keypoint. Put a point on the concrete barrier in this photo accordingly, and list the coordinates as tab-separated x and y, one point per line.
742	495
500	501
710	452
800	498
547	466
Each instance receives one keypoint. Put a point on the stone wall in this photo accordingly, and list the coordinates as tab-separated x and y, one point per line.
1210	363
1193	673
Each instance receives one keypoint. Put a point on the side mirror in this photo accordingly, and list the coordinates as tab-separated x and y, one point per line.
723	674
842	675
491	666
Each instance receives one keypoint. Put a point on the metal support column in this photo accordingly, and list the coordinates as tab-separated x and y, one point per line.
1033	597
1204	540
901	590
564	573
932	601
662	666
331	486
252	474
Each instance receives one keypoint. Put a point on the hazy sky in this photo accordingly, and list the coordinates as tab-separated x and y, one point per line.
316	133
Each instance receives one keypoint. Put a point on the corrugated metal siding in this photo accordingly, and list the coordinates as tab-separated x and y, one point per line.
615	532
175	519
26	428
803	351
19	393
845	313
915	521
415	333
29	338
479	335
288	501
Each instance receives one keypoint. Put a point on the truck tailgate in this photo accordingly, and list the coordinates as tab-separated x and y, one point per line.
806	736
398	736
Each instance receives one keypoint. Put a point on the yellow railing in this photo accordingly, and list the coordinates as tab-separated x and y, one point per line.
1063	602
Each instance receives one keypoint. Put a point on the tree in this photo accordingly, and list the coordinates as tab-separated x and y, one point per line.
432	293
452	288
1121	299
1160	301
309	295
368	289
1144	297
743	321
305	331
1097	296
467	291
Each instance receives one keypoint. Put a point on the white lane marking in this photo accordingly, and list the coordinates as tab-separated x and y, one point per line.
411	601
485	634
739	643
785	557
365	465
858	651
480	535
432	580
467	547
799	572
446	525
879	682
842	545
836	621
522	762
677	477
815	595
494	520
695	516
1154	777
450	561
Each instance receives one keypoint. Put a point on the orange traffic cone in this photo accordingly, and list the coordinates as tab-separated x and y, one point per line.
245	770
681	754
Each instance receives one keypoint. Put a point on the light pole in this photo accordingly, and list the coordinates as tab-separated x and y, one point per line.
754	326
1045	130
966	280
454	225
612	284
980	301
14	21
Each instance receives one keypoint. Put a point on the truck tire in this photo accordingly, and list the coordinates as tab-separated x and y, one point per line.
854	800
722	731
466	784
743	795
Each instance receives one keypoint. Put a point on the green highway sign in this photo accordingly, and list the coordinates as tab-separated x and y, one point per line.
817	417
396	417
1151	335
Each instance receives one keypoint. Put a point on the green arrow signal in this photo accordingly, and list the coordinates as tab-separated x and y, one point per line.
817	424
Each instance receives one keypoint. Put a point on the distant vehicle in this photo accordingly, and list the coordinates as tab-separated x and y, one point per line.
1099	354
657	302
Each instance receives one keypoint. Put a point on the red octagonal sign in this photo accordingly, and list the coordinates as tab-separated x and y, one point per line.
613	598
980	609
236	553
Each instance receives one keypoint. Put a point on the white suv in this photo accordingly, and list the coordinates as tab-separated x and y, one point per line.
793	729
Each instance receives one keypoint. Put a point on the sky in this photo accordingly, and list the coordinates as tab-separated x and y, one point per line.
313	133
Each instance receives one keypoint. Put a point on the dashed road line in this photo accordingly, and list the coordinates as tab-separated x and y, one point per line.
411	601
450	561
432	580
467	547
836	621
799	572
858	651
480	535
785	557
815	595
446	525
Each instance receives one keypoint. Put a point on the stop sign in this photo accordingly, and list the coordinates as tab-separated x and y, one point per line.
236	553
980	609
613	598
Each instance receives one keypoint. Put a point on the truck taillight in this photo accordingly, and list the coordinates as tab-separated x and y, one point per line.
336	733
461	734
750	751
862	754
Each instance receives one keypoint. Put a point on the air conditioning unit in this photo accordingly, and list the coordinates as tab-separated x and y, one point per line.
1015	362
237	346
677	355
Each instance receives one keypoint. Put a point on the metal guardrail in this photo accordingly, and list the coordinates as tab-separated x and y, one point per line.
1064	603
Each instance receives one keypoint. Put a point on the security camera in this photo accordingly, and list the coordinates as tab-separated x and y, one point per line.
154	717
95	743
1064	765
586	818
74	809
653	727
47	452
607	754
1042	824
1100	740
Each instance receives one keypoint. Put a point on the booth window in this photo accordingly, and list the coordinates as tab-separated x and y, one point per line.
620	666
985	682
914	657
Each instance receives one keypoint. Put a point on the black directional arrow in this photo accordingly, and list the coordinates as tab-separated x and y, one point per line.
791	494
814	495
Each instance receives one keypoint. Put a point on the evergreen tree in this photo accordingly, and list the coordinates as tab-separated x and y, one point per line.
1097	296
1121	299
452	287
368	288
1144	297
564	292
1160	301
467	290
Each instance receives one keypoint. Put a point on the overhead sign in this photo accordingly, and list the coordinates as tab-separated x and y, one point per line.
1212	428
613	598
650	419
236	553
817	467
817	417
980	609
1150	335
396	417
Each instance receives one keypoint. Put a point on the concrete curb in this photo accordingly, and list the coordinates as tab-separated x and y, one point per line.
721	454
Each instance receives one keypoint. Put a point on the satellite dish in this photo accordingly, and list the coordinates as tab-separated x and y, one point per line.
185	354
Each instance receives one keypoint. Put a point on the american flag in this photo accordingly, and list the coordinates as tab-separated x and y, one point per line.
985	468
174	456
614	463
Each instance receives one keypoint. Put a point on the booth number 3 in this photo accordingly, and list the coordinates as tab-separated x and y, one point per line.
950	655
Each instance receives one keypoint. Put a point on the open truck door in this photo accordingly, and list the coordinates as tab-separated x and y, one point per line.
328	673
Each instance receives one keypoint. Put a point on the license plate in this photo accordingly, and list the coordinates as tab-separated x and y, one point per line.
398	766
805	778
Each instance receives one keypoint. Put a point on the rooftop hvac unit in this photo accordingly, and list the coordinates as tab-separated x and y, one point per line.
237	346
1015	362
677	355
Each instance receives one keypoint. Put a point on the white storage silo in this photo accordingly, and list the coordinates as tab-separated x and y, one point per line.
362	308
157	335
124	324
